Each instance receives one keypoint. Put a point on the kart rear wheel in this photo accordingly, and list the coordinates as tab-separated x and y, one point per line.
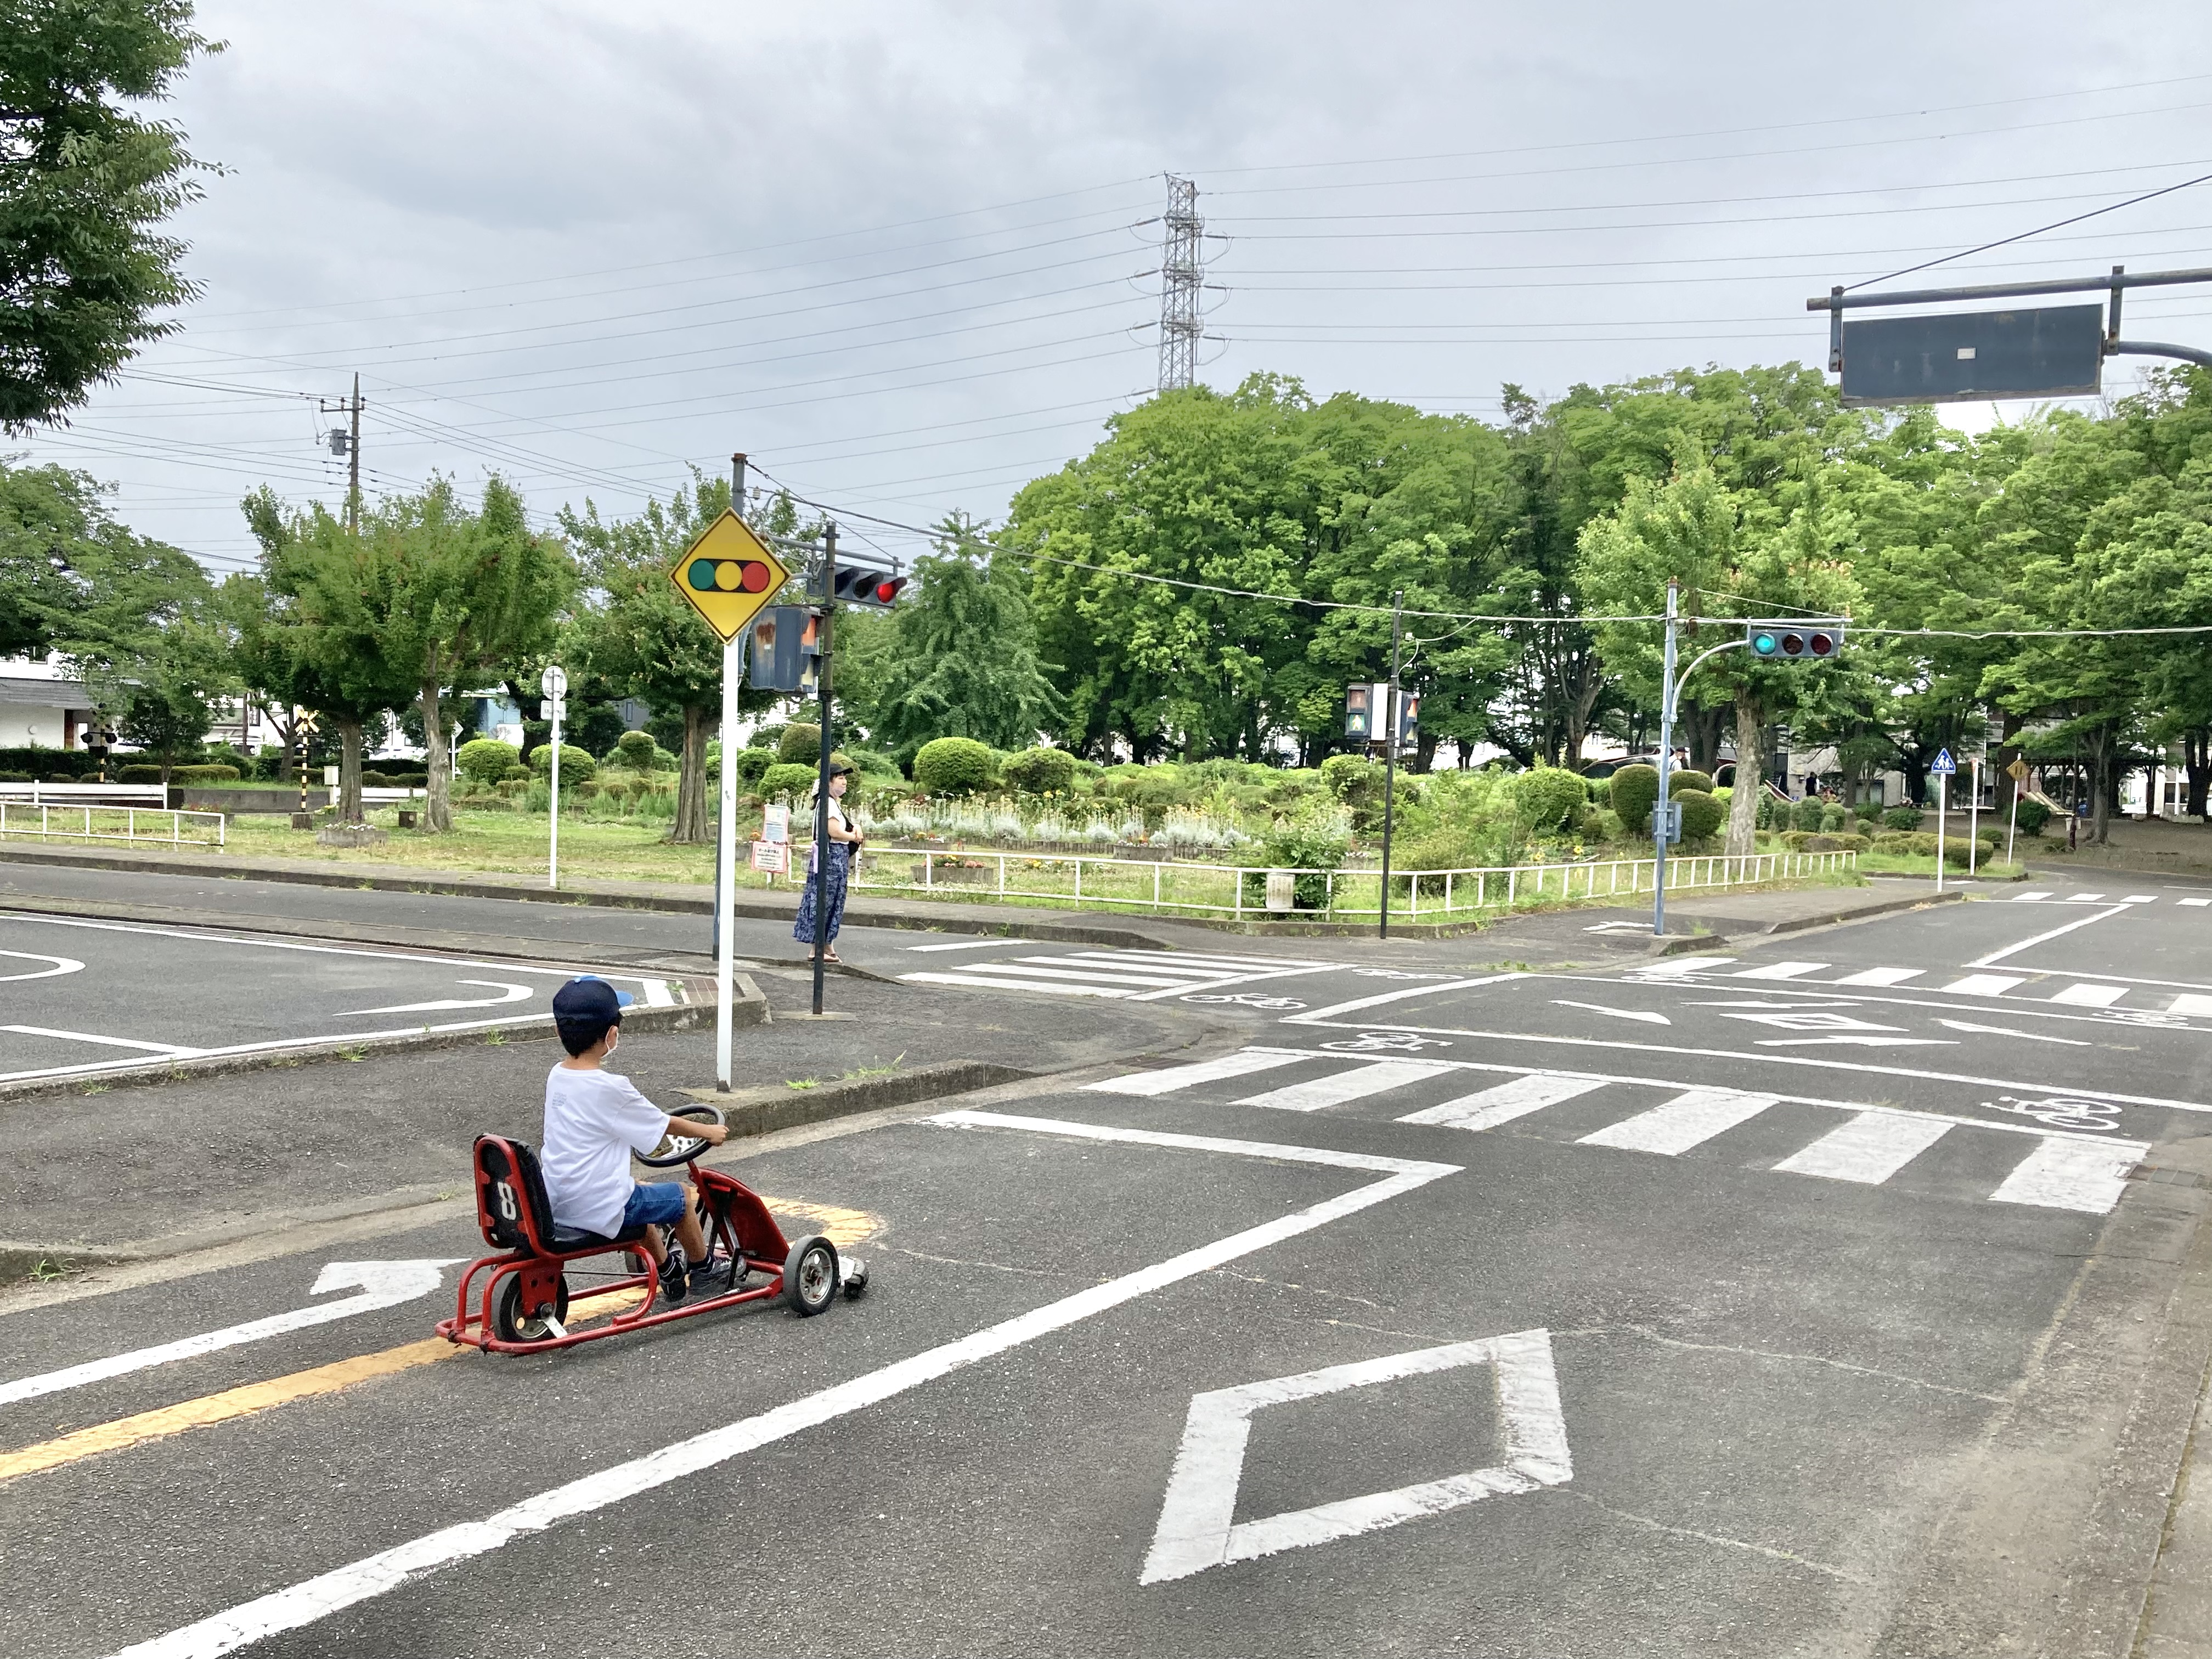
510	1322
810	1276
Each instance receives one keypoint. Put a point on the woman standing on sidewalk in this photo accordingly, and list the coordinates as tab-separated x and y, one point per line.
844	841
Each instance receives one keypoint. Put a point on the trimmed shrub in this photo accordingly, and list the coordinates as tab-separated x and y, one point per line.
753	764
786	781
801	742
138	773
1834	821
1547	798
951	766
1867	810
765	736
577	765
1040	771
1683	781
484	760
1903	817
1702	815
202	774
1635	792
635	750
2034	815
24	777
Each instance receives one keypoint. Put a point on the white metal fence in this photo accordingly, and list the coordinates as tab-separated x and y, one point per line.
121	794
1236	891
138	825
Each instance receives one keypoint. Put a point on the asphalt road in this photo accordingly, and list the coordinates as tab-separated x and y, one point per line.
1682	1307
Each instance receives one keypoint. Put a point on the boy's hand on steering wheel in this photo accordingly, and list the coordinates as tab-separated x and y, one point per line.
713	1134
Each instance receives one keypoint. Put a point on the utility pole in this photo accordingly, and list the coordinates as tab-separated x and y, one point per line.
346	440
1391	723
1183	275
1666	756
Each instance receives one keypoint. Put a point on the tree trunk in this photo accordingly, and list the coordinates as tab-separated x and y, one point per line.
2197	756
1700	734
1750	777
348	770
694	821
438	791
2008	725
2100	763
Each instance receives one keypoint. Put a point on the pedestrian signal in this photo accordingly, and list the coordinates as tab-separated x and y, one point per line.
1812	639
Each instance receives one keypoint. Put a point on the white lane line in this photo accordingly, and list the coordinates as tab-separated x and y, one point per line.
60	965
1354	1083
1243	1063
2085	995
1869	1148
2006	1030
507	994
1618	1013
383	1284
966	944
314	1599
176	1050
1881	977
2028	898
1982	985
2073	1175
1488	1108
1676	967
975	983
1996	957
1198	1527
1322	1016
1684	1122
2197	1006
1778	970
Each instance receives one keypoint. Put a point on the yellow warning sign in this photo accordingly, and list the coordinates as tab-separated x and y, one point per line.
2019	770
728	576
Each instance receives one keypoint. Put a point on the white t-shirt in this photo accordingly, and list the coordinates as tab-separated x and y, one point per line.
593	1122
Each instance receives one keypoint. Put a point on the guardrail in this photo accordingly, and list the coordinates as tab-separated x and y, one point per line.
99	823
118	794
1239	890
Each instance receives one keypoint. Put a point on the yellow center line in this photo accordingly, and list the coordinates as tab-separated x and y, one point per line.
842	1227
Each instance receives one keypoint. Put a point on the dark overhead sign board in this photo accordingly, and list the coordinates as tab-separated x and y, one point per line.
2050	351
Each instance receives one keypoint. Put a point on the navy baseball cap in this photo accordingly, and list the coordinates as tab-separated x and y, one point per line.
590	997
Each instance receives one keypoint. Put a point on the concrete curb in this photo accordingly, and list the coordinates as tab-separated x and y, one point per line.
1688	942
763	1111
694	1009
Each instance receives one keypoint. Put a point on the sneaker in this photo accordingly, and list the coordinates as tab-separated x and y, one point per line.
675	1275
714	1277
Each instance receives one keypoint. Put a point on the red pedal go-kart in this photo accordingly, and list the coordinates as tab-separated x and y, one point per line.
518	1301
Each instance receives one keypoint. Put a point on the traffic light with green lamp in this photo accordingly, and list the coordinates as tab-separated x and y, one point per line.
1809	639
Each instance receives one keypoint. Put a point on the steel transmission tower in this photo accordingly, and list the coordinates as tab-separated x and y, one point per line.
1183	274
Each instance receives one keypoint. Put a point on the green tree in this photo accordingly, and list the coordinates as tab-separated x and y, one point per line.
439	593
85	184
58	542
964	658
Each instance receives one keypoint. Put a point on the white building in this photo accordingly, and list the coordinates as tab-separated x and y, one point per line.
41	707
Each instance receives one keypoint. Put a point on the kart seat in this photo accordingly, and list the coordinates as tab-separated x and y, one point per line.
515	1213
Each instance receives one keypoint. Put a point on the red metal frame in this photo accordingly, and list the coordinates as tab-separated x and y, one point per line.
511	1214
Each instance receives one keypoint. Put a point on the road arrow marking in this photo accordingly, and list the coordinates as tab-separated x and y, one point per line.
1618	1013
383	1284
1196	1530
508	993
2006	1030
60	965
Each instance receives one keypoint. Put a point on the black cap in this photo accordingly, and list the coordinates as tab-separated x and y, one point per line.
588	999
840	769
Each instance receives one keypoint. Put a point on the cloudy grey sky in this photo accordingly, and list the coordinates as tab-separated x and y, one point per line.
905	253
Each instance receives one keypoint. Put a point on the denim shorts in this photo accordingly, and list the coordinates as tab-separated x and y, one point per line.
662	1204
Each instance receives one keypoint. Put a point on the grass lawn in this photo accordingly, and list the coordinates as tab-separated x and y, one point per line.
597	849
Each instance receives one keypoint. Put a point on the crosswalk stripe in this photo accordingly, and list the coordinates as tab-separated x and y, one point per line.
2073	1175
2085	995
1683	1122
1871	1147
2139	898
2084	898
2198	1006
1882	977
1982	985
2028	898
1488	1108
1676	967
1045	968
1778	970
1242	1063
975	982
2198	903
1354	1083
1221	959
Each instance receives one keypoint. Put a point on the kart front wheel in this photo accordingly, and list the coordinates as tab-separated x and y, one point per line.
810	1276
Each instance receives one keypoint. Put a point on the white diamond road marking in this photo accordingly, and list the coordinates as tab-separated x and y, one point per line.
1355	1083
1982	985
1778	970
2073	1175
2085	898
1488	1108
1198	1527
2196	903
2085	995
1882	977
1683	1122
1869	1148
1242	1063
2196	1006
2067	1172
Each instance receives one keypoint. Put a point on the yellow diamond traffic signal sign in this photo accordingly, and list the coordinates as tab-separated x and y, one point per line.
728	576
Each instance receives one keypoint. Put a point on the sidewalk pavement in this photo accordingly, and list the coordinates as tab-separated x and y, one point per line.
1719	915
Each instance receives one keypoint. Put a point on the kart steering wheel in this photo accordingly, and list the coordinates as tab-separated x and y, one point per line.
676	1150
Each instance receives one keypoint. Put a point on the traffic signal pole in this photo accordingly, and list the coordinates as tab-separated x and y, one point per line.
1390	725
822	777
1666	760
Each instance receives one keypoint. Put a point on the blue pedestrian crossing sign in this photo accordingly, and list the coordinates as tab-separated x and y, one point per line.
1943	766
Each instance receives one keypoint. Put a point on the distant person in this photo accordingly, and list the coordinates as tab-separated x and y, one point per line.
844	841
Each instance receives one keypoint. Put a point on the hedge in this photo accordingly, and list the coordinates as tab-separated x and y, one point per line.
1702	815
951	766
1040	771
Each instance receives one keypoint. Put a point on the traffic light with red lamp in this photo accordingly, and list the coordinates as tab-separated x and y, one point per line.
875	590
